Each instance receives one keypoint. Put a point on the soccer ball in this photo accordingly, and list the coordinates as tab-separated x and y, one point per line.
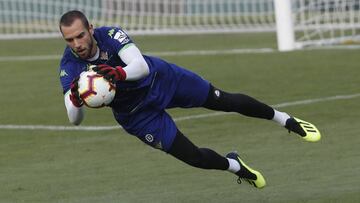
95	90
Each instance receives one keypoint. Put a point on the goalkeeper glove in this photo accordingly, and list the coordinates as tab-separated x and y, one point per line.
74	93
112	74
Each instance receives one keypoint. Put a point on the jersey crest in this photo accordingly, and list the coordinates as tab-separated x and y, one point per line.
104	55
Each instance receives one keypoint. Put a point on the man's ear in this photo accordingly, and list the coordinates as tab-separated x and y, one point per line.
91	29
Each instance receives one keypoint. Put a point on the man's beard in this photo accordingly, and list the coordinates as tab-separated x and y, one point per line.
89	50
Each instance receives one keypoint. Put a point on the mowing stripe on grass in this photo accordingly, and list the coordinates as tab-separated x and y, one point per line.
167	53
192	117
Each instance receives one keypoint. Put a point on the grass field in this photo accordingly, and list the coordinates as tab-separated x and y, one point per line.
111	166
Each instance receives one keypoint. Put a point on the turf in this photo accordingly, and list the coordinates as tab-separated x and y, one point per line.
111	166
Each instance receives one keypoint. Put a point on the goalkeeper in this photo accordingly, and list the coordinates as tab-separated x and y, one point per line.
146	86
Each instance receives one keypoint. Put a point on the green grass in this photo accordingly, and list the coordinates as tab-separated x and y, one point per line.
111	166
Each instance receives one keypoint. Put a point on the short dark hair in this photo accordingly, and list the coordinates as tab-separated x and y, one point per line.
69	17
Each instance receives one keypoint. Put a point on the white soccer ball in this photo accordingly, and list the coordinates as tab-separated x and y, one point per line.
95	90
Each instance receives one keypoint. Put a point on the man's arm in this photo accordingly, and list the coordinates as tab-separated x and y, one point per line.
75	114
73	103
137	67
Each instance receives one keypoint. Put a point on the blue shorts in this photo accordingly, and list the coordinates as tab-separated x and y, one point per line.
172	86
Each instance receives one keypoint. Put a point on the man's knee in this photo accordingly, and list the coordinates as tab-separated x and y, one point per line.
218	100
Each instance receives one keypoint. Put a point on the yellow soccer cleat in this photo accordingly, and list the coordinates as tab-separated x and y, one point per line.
246	173
305	129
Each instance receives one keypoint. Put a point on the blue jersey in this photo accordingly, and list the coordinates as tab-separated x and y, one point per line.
139	106
109	40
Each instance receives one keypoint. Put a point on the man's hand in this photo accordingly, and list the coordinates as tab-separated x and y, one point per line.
74	95
112	74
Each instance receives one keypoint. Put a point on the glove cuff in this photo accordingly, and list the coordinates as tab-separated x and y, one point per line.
121	73
75	101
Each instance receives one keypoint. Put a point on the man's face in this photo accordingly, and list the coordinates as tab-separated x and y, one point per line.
80	39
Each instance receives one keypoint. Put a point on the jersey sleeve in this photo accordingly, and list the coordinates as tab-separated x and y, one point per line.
118	39
68	71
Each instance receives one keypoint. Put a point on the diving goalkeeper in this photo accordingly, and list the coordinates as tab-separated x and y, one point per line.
146	86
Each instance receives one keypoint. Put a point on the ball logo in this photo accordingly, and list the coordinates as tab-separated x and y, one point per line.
149	137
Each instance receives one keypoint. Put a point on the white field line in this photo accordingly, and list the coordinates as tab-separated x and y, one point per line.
166	53
212	52
192	117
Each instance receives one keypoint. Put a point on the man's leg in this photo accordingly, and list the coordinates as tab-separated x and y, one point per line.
223	101
183	149
248	106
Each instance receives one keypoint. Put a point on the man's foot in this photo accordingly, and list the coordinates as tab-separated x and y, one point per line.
305	129
246	173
